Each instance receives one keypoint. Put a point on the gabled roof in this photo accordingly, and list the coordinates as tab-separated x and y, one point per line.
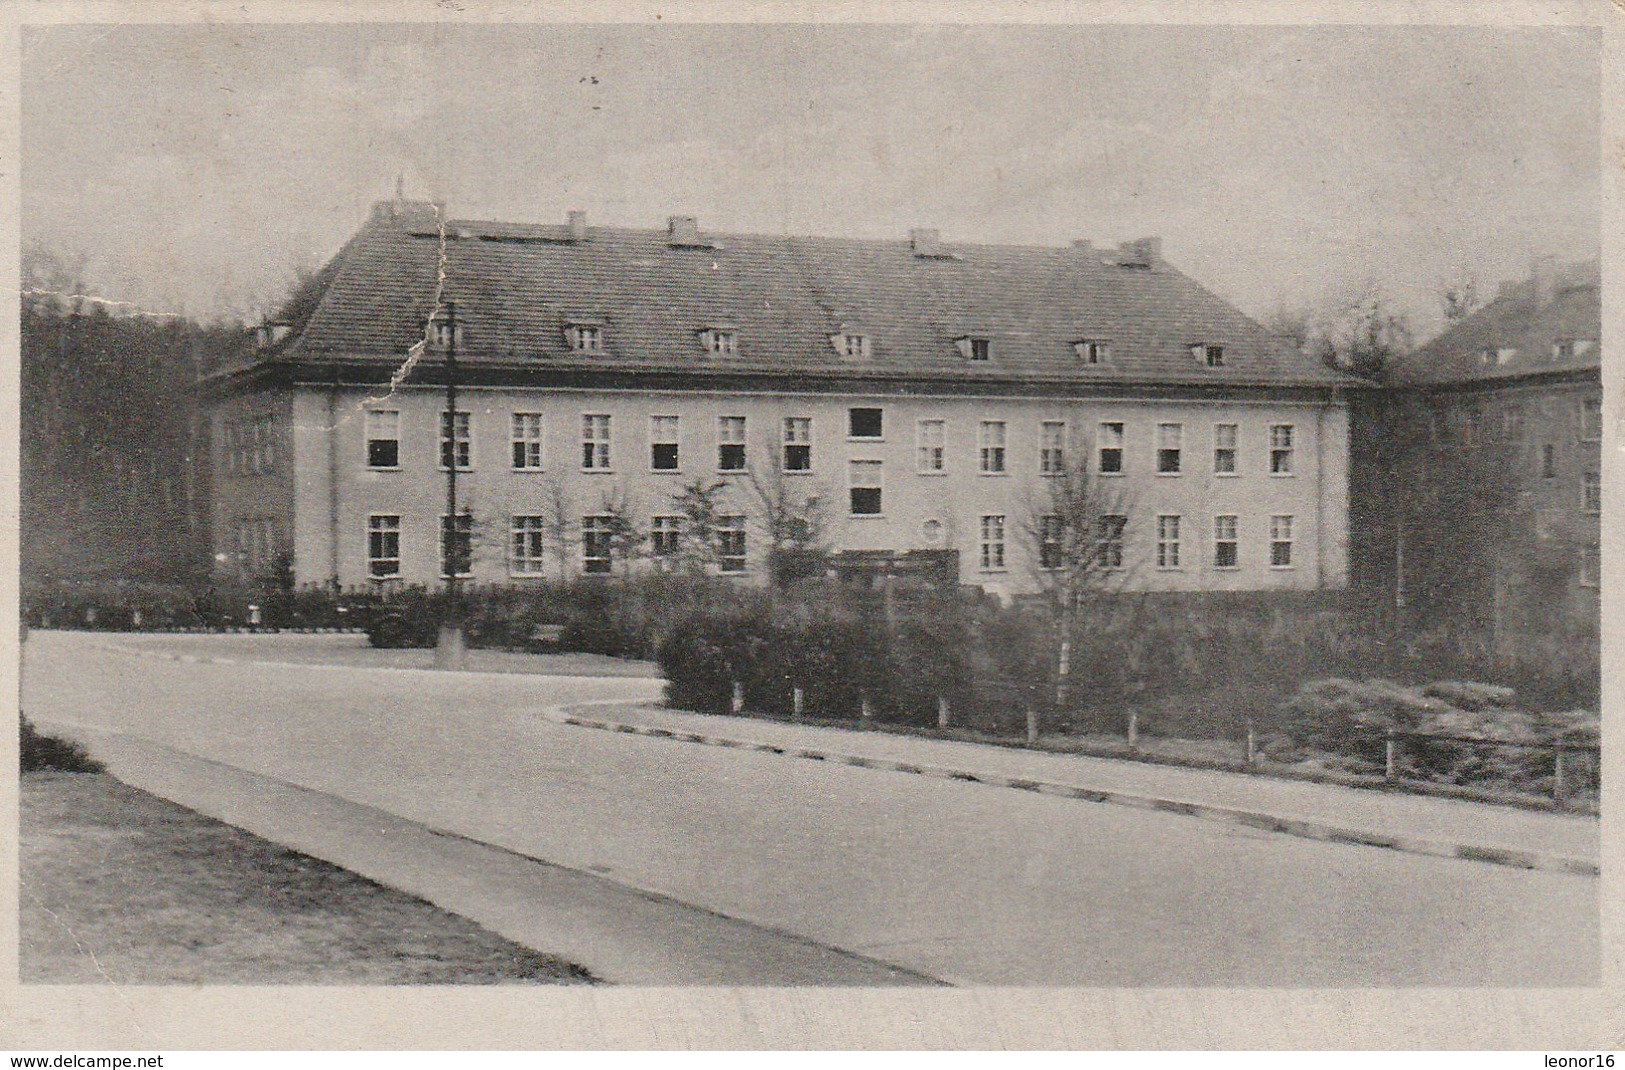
1518	333
517	286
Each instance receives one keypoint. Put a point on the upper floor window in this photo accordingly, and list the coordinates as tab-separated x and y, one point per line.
1109	443
1548	461
1224	449
1052	448
1512	423
663	443
1208	354
1281	446
798	443
720	341
595	442
990	441
1093	351
585	337
931	440
730	444
1590	419
383	429
1170	438
456	440
865	423
527	442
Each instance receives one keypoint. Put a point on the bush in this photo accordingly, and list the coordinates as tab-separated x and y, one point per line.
38	753
1471	696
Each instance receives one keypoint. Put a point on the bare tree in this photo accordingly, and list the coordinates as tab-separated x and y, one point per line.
627	541
1074	523
1359	331
1459	297
561	523
789	509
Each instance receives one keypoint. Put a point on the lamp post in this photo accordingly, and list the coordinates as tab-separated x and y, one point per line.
449	644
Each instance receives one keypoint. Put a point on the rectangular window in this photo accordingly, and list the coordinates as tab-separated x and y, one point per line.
980	348
1052	448
798	444
1281	449
990	438
731	543
1051	542
1590	419
1280	542
866	423
852	345
525	546
1512	423
1224	449
864	485
1093	351
1209	356
586	338
1224	542
1111	449
383	438
1472	426
1590	566
1167	541
264	445
721	342
1548	461
455	441
992	543
932	439
457	544
1109	531
595	443
730	444
383	545
527	442
1592	492
665	536
1169	441
595	544
663	444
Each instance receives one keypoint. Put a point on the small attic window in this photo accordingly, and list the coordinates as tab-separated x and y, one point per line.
1208	354
720	341
975	347
584	337
1582	346
442	334
268	335
1093	350
1506	355
853	345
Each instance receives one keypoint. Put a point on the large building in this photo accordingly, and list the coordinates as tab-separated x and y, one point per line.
908	395
1477	482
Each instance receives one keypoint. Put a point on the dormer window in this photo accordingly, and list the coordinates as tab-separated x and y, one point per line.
268	335
1505	355
721	340
854	345
442	334
1092	351
584	337
1563	349
975	347
1208	354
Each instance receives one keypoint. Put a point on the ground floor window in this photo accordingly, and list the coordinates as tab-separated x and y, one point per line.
665	536
383	545
1168	541
457	544
1109	541
596	533
1590	566
526	540
1051	542
1280	542
731	543
1225	553
992	543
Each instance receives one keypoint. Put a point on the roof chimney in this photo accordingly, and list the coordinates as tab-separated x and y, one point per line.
578	225
1543	279
926	244
682	230
1144	253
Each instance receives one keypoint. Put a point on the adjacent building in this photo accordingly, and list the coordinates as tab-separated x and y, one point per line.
897	395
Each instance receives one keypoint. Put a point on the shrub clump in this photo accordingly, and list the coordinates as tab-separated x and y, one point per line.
41	753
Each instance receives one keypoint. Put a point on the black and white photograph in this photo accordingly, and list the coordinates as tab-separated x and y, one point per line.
858	508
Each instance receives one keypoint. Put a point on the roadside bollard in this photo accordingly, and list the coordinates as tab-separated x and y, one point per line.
868	708
738	703
1032	727
1390	749
1252	745
798	703
942	712
1134	730
1560	787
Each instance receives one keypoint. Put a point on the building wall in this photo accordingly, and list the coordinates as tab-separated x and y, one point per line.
251	495
1314	494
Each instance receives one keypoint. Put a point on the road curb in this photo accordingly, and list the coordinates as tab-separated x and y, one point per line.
1287	826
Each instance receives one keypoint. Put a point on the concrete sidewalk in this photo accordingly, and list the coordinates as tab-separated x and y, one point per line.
1417	824
621	934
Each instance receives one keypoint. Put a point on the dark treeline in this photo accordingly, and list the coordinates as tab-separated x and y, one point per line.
110	487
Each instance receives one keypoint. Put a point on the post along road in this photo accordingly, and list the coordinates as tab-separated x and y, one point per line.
963	882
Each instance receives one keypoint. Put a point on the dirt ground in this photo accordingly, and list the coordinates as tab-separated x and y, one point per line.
119	886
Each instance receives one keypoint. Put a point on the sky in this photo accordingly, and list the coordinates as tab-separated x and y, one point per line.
197	169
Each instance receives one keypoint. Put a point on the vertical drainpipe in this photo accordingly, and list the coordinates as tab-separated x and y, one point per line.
333	478
1320	491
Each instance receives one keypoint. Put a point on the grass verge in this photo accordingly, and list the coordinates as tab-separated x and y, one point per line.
119	886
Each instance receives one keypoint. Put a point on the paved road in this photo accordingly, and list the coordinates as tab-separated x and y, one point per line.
962	882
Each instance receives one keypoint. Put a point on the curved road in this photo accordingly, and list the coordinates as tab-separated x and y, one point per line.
959	881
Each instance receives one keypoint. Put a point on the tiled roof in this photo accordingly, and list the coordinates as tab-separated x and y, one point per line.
1519	333
517	287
